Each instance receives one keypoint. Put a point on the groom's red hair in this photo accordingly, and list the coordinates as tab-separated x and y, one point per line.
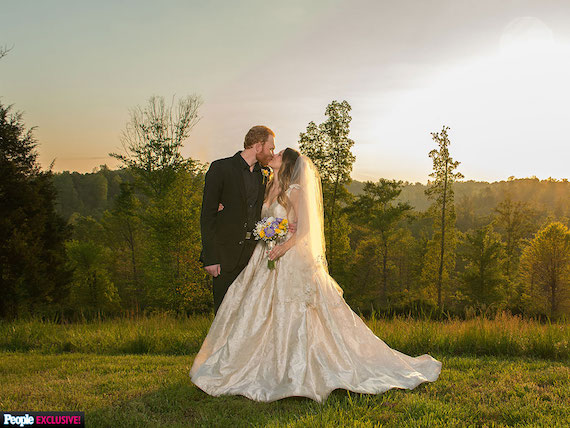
257	134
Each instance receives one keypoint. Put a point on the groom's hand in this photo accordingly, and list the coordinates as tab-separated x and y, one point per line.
213	270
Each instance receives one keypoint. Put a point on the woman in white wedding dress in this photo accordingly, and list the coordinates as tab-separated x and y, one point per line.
287	331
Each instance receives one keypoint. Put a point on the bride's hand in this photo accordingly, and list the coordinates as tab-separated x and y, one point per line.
293	227
279	250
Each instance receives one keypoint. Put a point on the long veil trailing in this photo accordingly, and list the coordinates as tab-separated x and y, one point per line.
307	198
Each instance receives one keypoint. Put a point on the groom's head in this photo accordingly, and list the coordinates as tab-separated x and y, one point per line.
261	140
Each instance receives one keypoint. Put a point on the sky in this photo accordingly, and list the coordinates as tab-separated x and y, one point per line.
494	72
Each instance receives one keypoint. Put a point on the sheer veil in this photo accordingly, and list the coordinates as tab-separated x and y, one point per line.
307	197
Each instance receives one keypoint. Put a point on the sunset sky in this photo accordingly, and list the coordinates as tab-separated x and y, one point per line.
495	72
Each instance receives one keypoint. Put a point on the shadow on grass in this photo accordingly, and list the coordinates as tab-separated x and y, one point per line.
182	404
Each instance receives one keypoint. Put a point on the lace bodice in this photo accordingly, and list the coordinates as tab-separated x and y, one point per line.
275	209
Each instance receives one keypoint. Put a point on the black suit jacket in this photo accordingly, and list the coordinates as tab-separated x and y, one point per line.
223	232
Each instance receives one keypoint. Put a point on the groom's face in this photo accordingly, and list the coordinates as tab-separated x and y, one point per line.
264	152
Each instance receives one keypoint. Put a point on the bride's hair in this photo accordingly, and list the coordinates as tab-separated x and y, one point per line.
288	160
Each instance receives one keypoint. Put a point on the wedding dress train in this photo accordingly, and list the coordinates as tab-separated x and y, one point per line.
288	332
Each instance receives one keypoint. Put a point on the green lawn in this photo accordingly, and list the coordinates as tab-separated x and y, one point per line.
134	373
155	390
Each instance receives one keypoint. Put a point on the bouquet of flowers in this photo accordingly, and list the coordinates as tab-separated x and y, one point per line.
270	230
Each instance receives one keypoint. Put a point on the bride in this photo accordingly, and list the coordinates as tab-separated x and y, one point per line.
287	331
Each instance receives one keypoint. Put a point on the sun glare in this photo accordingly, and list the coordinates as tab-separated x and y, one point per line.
526	35
528	53
508	110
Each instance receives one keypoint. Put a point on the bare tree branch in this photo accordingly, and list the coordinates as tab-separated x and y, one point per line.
4	51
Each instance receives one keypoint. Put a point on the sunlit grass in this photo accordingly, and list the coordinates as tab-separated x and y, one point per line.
158	334
155	390
127	372
163	334
504	335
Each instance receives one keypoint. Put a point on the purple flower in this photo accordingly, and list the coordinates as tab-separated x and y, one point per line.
269	232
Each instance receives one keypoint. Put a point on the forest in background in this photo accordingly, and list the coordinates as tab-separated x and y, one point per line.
90	194
128	240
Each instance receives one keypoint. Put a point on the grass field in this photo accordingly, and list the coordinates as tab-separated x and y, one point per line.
134	373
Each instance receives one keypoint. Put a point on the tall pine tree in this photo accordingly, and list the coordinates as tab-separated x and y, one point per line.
33	277
440	260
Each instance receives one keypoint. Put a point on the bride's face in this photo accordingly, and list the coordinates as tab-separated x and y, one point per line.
275	163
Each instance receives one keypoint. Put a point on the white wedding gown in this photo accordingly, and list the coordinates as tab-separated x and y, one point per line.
288	332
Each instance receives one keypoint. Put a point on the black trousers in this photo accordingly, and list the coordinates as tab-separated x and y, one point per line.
223	281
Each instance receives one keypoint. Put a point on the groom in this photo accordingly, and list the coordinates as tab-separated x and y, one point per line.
234	189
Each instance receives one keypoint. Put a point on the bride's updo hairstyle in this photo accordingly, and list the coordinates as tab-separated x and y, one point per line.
288	160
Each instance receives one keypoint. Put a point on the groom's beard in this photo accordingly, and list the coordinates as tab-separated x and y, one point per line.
263	162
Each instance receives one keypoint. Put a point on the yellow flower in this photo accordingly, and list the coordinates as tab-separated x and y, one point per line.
267	173
262	234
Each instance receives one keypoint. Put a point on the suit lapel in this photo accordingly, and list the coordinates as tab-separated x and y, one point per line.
238	165
261	194
239	178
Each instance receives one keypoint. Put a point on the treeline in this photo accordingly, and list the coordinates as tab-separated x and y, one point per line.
128	239
476	199
90	194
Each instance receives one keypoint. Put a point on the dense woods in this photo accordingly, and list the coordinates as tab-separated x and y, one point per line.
111	241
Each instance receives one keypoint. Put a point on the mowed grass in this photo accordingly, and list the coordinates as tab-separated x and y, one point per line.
155	390
134	373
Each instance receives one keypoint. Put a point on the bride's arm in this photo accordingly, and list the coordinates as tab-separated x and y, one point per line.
281	249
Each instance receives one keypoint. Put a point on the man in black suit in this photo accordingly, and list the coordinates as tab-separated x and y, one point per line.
234	189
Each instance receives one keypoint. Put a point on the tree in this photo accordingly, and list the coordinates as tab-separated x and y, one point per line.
68	200
92	290
33	273
513	221
365	273
175	278
443	210
404	248
124	230
96	189
328	146
375	208
152	141
483	275
545	265
420	227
